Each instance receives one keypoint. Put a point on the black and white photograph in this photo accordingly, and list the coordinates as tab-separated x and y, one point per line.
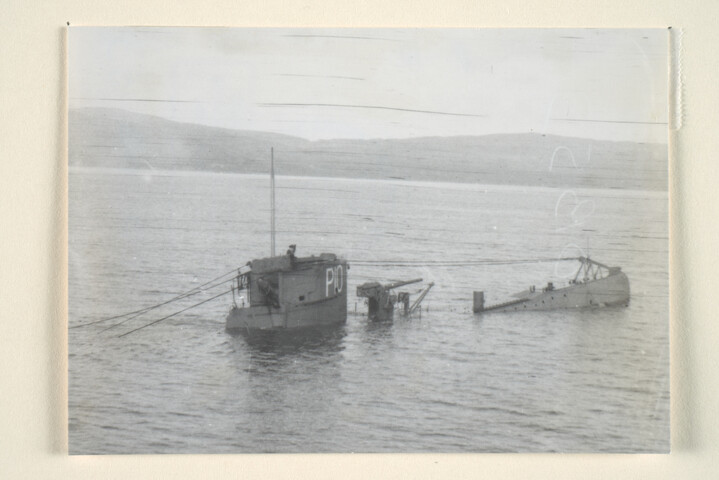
335	240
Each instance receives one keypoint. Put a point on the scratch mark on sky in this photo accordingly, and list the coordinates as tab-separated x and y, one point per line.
348	37
376	107
607	121
317	76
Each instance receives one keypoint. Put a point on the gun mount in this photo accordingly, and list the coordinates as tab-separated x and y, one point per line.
381	300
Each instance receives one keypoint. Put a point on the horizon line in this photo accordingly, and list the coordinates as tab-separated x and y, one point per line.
666	142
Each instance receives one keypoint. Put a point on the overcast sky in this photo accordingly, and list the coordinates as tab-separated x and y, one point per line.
377	83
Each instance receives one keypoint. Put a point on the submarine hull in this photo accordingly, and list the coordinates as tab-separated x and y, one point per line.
331	311
612	290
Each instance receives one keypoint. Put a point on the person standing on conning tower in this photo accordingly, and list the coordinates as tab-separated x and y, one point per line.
291	254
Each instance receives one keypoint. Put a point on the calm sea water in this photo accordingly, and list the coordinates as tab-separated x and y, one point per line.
445	381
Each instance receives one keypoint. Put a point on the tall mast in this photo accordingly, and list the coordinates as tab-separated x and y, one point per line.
272	201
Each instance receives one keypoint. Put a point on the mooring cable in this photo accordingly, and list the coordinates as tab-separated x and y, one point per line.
454	263
176	313
189	293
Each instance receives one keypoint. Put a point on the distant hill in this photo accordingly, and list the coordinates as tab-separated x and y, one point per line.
114	138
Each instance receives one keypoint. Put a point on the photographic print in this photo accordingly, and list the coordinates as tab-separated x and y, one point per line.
368	240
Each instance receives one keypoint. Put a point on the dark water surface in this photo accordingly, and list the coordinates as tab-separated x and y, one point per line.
448	381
